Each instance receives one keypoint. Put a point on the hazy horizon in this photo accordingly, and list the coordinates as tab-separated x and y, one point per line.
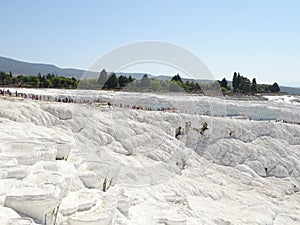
163	70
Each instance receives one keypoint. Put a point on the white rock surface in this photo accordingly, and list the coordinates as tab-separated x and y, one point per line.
95	165
36	202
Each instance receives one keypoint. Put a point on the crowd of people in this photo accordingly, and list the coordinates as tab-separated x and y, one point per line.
97	102
287	121
9	93
79	100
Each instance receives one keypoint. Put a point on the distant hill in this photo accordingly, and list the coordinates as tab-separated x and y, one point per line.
32	69
290	90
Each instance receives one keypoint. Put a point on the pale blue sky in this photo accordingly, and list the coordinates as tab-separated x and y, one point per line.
256	38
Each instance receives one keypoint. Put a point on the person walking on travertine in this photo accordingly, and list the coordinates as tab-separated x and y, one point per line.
177	132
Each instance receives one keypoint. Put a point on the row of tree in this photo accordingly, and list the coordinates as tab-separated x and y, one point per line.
39	81
106	81
174	85
112	81
241	84
187	86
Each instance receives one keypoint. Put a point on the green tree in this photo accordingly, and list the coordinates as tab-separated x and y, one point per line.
35	81
235	82
244	84
192	86
122	80
239	80
38	81
176	78
275	88
47	83
102	77
254	86
247	87
6	78
39	76
187	86
130	79
112	81
224	83
56	81
197	87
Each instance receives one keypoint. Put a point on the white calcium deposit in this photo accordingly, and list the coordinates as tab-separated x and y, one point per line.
86	164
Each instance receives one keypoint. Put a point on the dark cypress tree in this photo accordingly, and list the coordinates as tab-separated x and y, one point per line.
235	82
176	78
102	78
122	81
112	81
197	87
239	80
254	86
224	83
275	88
130	79
192	86
247	87
187	86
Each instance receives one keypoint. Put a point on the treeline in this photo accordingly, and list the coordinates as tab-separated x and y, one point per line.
174	85
39	81
106	82
241	84
112	82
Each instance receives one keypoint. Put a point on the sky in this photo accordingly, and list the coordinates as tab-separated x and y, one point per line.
258	38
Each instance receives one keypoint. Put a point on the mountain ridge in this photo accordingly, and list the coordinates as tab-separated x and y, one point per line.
32	69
